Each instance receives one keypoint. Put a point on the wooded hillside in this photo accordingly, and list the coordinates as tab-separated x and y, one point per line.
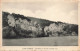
20	26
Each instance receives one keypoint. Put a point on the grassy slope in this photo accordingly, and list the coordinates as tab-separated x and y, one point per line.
42	22
45	41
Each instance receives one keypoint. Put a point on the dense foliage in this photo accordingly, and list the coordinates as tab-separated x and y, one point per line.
19	26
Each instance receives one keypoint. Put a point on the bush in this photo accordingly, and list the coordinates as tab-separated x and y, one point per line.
6	31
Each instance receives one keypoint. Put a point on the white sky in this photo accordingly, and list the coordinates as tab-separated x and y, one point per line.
51	10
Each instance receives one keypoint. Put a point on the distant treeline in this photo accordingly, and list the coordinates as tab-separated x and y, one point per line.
20	26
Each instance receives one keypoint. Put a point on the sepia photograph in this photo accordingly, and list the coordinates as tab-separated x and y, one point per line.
40	23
